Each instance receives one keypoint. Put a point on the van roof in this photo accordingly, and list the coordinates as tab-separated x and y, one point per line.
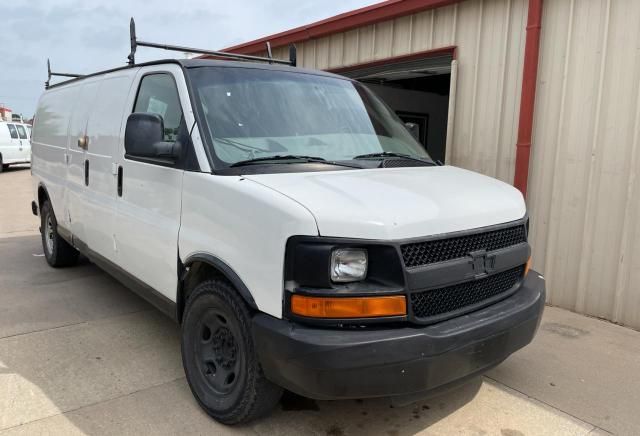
200	63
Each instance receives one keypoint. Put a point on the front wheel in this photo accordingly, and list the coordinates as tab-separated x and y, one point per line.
219	356
57	251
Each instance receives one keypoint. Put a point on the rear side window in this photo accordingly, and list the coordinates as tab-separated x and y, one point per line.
12	131
21	131
158	94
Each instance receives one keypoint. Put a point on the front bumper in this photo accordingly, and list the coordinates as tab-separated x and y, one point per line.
375	362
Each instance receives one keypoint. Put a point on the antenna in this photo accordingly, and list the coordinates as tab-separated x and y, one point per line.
135	43
50	74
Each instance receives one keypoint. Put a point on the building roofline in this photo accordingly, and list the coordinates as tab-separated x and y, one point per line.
375	13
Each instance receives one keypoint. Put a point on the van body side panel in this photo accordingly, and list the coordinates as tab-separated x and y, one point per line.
104	132
245	225
49	143
82	108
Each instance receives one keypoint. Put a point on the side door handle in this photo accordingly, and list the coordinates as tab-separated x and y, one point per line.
86	172
120	181
83	142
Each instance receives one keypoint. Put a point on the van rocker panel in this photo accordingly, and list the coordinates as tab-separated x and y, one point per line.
341	364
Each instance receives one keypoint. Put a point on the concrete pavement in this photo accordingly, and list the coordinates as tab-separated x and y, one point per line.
15	189
80	354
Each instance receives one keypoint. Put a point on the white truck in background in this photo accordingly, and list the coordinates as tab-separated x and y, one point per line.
15	145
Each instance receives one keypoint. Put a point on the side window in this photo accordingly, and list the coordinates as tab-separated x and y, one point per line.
12	131
21	131
158	94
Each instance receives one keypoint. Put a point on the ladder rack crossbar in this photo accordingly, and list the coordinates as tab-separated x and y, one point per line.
51	74
211	52
135	42
65	74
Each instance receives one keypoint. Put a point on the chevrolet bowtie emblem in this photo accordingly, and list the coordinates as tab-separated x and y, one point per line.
481	263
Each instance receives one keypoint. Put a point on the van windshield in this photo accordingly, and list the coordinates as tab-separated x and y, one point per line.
257	113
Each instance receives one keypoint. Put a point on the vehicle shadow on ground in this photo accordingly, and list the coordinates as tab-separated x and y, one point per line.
369	416
16	168
94	358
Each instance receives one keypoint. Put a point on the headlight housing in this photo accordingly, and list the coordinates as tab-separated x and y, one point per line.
349	265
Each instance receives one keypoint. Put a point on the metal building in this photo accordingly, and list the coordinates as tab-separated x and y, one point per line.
542	95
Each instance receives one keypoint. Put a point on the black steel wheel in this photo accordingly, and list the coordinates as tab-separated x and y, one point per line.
219	357
57	251
217	352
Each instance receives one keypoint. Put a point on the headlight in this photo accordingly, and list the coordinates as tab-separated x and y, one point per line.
348	265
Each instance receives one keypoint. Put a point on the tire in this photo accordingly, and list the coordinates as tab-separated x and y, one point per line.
2	165
219	356
57	251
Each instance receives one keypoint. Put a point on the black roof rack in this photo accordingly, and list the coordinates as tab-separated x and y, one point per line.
50	74
135	42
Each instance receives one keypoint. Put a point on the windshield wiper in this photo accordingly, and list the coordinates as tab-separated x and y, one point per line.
290	157
239	145
394	154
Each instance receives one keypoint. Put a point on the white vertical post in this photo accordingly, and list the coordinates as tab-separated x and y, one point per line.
452	111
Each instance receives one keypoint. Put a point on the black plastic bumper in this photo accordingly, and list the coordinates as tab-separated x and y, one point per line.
339	364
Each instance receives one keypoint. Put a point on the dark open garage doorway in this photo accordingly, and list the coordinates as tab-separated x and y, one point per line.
417	88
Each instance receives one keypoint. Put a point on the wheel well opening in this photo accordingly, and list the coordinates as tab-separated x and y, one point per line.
42	196
196	273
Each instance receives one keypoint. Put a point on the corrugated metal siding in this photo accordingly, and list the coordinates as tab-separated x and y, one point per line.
584	194
490	39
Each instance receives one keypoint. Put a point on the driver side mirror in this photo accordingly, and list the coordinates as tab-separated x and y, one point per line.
144	138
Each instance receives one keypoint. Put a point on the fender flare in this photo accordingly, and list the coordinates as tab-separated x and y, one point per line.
225	270
46	193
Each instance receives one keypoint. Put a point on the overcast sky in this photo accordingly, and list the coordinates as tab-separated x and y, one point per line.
90	35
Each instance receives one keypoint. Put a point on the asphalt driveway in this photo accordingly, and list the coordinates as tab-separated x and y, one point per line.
80	354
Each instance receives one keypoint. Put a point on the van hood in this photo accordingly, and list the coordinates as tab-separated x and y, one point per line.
398	203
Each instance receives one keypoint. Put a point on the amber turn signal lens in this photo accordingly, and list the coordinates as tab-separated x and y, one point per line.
527	266
348	307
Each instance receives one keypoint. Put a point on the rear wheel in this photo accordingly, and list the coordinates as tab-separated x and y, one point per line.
57	251
219	357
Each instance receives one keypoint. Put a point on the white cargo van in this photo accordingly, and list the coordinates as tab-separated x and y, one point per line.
15	145
291	224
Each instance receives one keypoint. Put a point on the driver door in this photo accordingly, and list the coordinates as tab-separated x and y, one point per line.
149	191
